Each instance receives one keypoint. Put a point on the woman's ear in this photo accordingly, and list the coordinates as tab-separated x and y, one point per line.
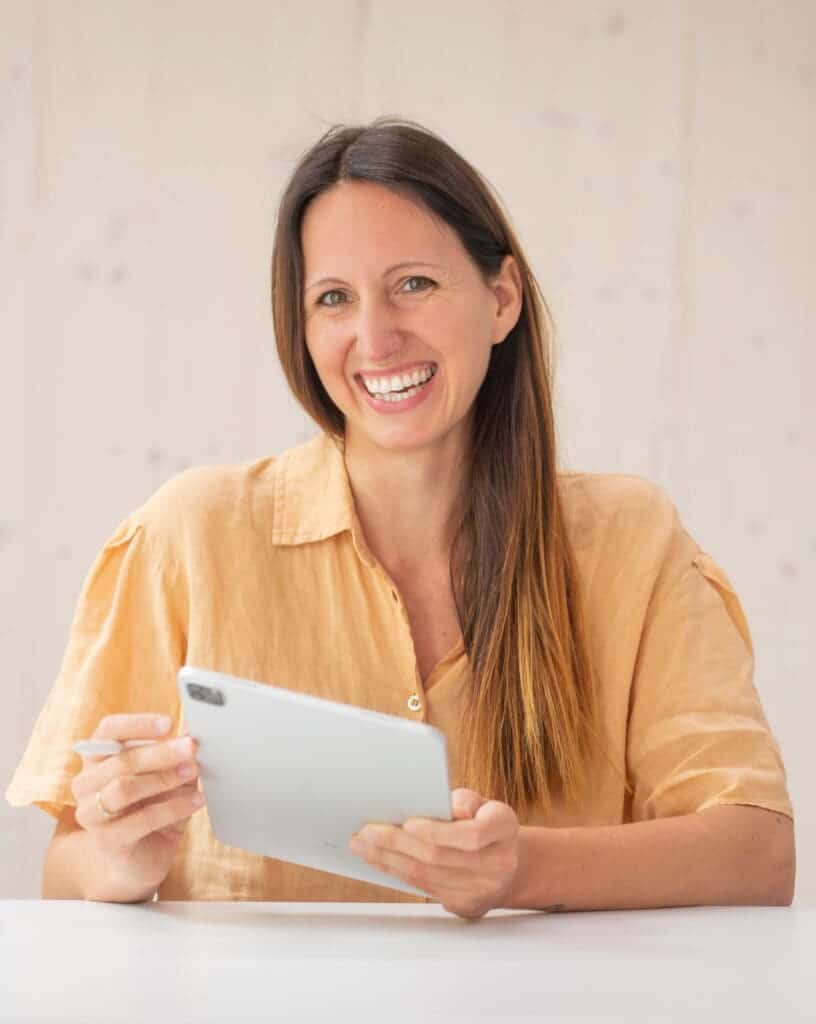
509	293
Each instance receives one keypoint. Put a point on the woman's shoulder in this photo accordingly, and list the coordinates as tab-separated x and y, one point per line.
609	492
205	495
601	508
229	497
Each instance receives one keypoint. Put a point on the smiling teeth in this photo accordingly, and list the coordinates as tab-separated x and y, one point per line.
400	396
384	386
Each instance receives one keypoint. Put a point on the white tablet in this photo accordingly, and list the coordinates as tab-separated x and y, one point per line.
293	777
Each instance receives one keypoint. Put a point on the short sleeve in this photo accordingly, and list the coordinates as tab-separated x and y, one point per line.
126	644
697	733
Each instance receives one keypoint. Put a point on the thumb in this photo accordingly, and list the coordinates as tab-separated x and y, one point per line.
465	803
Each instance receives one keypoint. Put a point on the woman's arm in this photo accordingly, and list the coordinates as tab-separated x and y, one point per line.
483	859
724	855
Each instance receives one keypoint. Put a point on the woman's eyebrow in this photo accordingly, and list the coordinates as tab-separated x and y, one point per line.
390	270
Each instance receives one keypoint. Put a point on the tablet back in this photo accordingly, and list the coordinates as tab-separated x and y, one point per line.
292	776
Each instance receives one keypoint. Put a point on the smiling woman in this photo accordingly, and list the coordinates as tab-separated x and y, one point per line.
443	327
590	666
464	470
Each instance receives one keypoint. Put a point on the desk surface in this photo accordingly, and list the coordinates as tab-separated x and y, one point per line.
71	961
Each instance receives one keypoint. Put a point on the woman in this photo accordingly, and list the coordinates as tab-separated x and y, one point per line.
590	666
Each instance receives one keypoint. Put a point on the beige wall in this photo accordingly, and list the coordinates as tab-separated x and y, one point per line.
658	159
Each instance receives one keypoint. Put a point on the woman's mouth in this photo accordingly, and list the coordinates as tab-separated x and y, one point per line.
398	393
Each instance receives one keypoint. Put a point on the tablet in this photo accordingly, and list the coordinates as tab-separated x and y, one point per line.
293	777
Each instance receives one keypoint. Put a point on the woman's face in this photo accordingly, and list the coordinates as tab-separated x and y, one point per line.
399	322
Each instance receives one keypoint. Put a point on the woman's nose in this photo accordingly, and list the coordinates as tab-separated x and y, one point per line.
378	331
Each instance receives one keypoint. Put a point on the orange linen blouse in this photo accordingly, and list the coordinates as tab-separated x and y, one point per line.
261	570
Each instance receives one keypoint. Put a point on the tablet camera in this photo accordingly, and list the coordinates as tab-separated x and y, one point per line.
206	694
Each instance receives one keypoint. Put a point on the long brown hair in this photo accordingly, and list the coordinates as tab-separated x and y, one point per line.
532	710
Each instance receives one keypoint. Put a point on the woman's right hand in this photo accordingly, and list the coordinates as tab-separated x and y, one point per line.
151	791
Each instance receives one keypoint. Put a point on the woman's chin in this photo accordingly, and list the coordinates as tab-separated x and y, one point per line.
402	437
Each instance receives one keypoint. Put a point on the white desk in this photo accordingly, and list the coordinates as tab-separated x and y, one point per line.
66	961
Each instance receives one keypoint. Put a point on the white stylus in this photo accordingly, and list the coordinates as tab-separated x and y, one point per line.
106	748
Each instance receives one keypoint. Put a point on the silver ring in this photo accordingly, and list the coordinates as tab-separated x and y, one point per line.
102	807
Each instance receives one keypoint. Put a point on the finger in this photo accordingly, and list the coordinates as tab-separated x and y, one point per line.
123	727
127	794
430	878
161	759
177	828
466	802
155	756
180	826
494	822
174	831
175	812
498	817
380	839
150	800
90	814
128	829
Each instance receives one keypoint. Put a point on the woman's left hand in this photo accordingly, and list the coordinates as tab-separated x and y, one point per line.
468	865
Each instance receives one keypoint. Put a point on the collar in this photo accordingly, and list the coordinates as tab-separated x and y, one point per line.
313	496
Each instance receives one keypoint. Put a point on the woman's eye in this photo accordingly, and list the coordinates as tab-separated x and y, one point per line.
425	281
325	295
336	297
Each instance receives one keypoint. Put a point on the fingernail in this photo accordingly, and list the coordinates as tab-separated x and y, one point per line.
183	745
162	723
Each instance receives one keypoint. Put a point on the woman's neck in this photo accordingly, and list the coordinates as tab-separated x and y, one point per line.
406	501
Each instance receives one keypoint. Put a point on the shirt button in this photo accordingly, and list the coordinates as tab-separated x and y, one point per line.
414	703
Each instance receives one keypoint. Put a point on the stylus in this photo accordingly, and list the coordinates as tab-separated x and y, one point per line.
106	748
